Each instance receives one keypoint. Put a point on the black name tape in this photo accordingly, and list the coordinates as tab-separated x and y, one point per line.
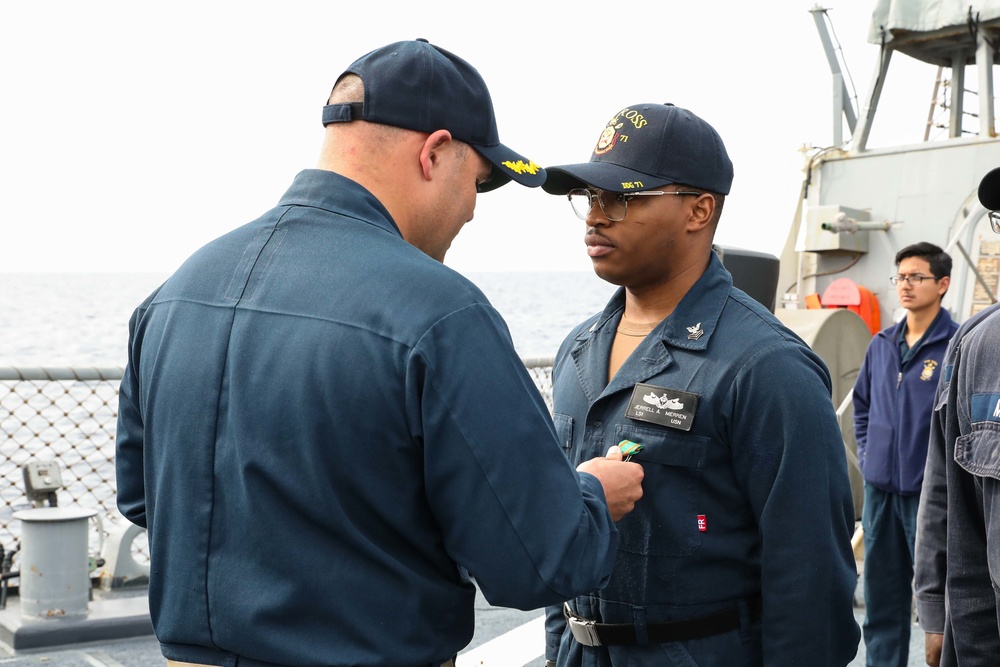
658	405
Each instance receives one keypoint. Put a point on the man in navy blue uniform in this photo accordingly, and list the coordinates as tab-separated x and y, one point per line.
328	434
893	402
739	552
957	551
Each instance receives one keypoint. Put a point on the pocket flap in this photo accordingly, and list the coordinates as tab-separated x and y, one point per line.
979	452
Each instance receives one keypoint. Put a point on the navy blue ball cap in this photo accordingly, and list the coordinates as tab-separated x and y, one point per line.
647	146
989	190
419	86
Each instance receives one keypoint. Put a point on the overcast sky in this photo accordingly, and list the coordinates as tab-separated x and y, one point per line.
134	132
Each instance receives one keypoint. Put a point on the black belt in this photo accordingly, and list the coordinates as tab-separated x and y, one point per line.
592	633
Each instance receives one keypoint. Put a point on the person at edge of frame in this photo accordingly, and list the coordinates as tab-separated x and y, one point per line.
739	552
328	433
957	551
893	400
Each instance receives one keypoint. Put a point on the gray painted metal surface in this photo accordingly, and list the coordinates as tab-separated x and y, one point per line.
925	193
54	574
904	194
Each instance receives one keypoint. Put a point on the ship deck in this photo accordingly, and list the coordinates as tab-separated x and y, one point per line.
503	638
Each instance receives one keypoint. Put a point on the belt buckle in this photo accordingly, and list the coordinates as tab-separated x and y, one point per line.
584	630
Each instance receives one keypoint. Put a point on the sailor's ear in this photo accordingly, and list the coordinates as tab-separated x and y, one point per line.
702	212
430	152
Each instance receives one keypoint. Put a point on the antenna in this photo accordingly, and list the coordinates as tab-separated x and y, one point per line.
843	101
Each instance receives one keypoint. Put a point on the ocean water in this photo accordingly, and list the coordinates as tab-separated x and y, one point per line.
81	319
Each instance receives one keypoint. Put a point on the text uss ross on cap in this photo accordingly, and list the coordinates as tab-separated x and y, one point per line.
647	146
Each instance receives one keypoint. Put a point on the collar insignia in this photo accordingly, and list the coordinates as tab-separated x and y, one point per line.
695	332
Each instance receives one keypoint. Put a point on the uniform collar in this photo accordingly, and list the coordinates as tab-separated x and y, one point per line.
689	327
939	329
327	190
694	319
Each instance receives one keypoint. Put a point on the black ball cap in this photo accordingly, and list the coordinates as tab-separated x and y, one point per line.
989	190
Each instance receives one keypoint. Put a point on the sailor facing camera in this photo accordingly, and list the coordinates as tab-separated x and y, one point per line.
739	552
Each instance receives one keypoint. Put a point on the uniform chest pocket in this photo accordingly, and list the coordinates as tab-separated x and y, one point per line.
564	430
665	521
979	452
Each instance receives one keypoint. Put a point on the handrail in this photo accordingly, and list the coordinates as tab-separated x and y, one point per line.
84	374
538	362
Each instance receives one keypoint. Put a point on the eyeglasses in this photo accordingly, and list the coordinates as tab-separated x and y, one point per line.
614	205
910	280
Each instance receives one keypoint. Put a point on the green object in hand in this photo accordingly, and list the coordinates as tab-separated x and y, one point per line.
629	448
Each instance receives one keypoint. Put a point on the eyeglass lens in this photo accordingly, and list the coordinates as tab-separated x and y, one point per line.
612	204
909	280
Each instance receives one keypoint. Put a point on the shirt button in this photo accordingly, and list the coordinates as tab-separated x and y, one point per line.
597	424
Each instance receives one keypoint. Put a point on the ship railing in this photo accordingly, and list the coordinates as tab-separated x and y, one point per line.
69	416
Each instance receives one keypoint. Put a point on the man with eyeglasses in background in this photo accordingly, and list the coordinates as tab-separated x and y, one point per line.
958	532
893	402
739	552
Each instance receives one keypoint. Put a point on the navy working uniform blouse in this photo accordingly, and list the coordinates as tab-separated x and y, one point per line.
745	490
326	432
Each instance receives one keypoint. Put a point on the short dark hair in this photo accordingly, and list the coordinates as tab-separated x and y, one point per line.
939	260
